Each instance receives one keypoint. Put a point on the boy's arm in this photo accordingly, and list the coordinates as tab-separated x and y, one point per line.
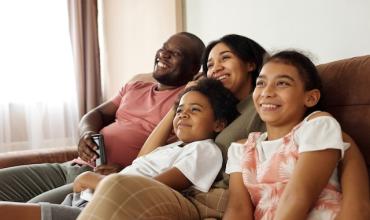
307	182
355	184
159	135
87	180
239	205
174	178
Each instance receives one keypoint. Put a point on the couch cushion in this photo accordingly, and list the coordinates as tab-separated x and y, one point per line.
35	156
346	86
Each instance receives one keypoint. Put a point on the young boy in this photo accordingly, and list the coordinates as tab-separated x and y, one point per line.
194	161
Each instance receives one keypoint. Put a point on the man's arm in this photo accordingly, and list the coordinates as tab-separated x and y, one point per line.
354	183
91	123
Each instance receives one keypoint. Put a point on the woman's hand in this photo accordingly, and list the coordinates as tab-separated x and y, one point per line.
190	84
355	184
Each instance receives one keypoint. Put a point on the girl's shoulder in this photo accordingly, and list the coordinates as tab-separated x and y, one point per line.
317	114
251	138
318	120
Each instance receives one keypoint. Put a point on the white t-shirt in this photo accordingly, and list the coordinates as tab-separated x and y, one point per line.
320	133
199	161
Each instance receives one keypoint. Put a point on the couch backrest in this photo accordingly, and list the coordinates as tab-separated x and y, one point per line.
346	89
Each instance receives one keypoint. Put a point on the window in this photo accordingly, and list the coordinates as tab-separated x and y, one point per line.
38	106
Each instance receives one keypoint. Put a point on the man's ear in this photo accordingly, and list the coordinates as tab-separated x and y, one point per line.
312	98
219	125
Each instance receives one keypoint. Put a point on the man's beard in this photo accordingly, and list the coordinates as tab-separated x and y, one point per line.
177	78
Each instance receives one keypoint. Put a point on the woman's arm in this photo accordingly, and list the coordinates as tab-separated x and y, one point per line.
159	135
355	184
307	182
239	205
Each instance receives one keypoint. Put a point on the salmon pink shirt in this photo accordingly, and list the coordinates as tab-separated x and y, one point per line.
140	109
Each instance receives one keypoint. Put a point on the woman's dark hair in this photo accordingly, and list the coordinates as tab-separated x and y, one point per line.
306	69
222	100
244	48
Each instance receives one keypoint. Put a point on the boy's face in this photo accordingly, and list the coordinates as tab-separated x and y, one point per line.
194	119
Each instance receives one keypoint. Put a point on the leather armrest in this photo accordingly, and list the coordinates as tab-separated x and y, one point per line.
48	155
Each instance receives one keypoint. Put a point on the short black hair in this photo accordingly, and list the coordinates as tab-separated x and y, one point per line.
222	100
198	46
244	48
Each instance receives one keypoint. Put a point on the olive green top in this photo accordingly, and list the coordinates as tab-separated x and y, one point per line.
248	121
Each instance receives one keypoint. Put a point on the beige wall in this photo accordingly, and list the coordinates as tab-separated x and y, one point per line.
329	29
131	31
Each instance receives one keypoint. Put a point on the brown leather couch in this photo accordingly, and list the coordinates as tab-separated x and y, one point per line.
346	89
346	95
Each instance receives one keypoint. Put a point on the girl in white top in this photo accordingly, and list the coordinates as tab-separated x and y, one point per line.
289	172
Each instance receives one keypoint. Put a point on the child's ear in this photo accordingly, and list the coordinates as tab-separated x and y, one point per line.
251	67
312	98
219	125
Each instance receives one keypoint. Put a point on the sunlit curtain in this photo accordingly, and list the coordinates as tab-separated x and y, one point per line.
38	102
83	25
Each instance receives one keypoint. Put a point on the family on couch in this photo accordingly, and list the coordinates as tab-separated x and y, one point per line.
236	61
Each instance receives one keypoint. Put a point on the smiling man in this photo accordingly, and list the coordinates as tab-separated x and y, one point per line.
125	122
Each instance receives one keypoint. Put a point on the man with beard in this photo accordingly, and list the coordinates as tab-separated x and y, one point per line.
125	121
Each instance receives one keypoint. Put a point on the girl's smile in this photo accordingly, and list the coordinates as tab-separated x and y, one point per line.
279	96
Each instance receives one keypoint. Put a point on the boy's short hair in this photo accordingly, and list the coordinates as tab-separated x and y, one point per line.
222	100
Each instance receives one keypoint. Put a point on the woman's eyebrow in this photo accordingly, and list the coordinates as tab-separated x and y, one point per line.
221	53
225	51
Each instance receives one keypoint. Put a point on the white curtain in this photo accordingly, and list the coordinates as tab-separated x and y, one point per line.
38	106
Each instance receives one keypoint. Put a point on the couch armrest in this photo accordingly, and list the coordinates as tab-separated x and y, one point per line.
48	155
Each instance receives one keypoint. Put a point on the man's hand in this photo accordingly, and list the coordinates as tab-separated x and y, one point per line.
108	169
86	148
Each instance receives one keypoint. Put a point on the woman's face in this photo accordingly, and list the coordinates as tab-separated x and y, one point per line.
225	66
